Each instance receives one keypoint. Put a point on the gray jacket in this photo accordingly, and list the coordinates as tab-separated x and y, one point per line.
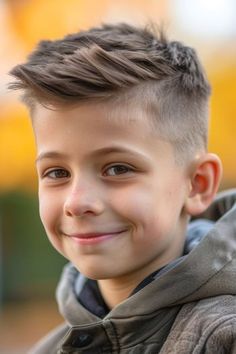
189	309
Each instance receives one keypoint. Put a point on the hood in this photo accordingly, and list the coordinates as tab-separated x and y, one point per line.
207	271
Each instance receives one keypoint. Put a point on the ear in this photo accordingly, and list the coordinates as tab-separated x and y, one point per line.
204	183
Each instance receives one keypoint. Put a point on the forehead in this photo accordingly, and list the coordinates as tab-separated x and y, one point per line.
108	115
87	128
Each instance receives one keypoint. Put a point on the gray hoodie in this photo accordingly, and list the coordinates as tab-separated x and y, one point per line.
190	308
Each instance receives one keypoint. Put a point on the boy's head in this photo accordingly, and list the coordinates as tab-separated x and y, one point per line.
120	116
126	66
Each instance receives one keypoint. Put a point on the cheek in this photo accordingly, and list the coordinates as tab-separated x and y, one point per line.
46	211
152	210
42	207
135	204
49	215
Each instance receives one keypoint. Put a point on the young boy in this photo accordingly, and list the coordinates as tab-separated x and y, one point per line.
120	116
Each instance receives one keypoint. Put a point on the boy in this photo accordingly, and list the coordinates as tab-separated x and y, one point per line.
120	117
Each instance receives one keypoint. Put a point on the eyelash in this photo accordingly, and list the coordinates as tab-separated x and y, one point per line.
128	169
47	174
124	169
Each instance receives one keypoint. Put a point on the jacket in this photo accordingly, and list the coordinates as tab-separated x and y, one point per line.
188	309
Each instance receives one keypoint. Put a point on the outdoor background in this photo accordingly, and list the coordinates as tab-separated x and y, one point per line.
29	267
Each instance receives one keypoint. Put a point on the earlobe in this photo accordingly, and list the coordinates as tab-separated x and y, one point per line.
204	183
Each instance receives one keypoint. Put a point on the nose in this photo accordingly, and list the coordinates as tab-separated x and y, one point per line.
83	200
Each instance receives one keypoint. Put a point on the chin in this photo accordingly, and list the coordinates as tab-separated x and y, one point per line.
96	273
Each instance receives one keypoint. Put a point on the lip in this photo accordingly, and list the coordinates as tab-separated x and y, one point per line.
93	238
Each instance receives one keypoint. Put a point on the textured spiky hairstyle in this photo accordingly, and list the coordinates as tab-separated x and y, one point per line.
123	64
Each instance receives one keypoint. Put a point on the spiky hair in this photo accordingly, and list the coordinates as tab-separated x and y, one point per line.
164	78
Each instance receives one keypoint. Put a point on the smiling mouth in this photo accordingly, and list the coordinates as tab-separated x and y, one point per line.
93	238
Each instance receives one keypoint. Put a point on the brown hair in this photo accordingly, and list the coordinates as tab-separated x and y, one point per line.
123	63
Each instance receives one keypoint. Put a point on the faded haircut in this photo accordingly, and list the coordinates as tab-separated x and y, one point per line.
126	65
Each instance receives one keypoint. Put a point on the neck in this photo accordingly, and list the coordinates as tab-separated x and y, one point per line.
118	289
115	291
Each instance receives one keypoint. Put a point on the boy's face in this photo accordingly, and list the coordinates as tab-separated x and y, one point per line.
112	198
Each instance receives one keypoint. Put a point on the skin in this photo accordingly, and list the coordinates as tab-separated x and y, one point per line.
112	197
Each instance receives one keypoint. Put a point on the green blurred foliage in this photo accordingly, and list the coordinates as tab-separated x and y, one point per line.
30	267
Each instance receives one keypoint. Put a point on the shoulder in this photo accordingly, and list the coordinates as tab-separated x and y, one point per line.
204	327
49	343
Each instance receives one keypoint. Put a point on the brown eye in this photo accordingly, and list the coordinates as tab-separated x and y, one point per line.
57	173
117	170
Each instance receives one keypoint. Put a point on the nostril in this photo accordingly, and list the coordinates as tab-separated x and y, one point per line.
67	213
83	206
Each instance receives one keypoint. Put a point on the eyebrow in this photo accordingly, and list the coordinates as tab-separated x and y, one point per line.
96	153
116	149
49	155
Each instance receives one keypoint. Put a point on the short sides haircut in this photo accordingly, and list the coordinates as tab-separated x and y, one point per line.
123	64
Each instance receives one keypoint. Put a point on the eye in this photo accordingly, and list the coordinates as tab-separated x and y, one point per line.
118	169
57	173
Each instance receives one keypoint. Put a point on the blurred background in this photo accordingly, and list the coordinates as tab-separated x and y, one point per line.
29	267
